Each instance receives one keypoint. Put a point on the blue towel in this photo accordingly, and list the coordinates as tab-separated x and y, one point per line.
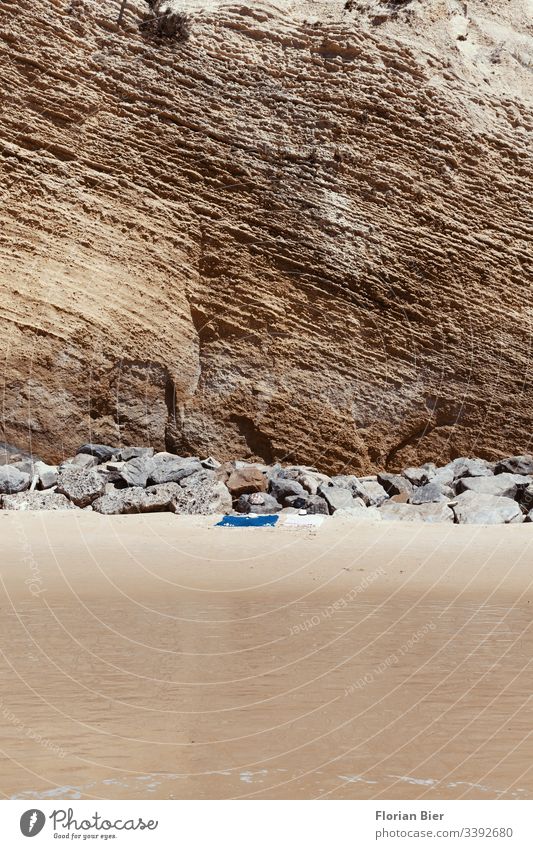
247	522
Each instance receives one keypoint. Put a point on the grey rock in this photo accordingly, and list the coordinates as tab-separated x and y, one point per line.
444	475
504	485
196	478
25	465
353	483
211	463
520	465
160	497
136	499
431	493
311	481
82	486
101	452
393	511
137	471
473	508
395	484
376	494
204	497
111	475
115	466
47	474
465	467
283	488
168	469
525	497
13	480
359	511
37	501
258	502
420	475
120	501
126	454
314	504
336	497
82	461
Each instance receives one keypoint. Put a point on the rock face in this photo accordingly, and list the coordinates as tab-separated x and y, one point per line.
283	238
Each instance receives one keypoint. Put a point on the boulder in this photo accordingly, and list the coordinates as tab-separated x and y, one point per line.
352	483
198	477
313	504
474	508
258	502
82	486
283	488
246	480
336	497
395	484
137	471
159	497
13	480
391	511
120	501
431	493
420	475
25	465
129	453
520	465
505	484
37	501
136	499
114	466
203	497
171	469
376	494
47	474
525	497
101	452
358	510
444	475
465	467
82	461
311	481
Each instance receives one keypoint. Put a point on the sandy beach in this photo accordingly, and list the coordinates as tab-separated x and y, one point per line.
159	656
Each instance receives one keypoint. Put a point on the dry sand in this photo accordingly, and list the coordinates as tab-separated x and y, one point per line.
163	657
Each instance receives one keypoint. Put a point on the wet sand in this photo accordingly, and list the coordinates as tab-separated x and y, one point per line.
157	656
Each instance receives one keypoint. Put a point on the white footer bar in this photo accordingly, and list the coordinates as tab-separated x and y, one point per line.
268	824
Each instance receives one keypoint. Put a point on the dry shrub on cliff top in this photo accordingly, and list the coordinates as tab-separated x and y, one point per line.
166	20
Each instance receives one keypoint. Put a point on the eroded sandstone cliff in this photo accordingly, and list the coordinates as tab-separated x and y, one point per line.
302	234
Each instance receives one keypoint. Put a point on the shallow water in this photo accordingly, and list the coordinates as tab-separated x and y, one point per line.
114	697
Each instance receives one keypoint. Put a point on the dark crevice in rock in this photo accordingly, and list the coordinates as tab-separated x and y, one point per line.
259	444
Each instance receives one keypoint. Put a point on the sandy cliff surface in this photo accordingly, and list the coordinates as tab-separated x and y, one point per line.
302	234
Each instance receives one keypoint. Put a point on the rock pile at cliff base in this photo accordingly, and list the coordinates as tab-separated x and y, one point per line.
110	480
